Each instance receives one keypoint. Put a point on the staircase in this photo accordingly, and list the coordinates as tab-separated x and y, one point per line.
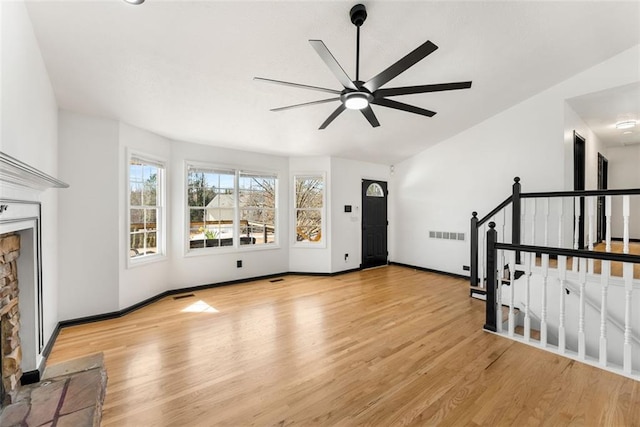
567	300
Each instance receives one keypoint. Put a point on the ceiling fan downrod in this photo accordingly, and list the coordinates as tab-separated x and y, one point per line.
358	14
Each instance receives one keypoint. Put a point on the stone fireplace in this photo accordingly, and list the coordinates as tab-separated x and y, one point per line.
21	305
21	338
10	348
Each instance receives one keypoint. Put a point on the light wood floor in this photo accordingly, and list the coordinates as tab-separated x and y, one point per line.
383	347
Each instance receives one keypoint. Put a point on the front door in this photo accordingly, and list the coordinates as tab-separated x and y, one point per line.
374	223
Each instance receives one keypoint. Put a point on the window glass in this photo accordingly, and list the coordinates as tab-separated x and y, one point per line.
145	207
211	200
257	208
309	204
375	190
216	196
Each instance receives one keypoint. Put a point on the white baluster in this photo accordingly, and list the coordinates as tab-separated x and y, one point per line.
627	273
532	211
607	212
625	217
504	225
546	221
582	278
576	230
482	259
604	283
591	201
543	311
562	275
527	312
498	274
560	220
512	277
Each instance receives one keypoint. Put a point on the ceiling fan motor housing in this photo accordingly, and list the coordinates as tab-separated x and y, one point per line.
358	14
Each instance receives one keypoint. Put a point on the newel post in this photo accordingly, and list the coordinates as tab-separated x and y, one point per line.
492	282
473	237
516	215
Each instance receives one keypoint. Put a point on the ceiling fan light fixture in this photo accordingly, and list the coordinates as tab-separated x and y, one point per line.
357	100
627	124
134	1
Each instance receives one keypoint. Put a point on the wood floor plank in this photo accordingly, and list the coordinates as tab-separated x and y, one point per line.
389	346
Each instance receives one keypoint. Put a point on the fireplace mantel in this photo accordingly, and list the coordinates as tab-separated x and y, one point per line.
16	172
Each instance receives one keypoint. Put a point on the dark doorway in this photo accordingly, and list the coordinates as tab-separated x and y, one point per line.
603	174
579	170
374	223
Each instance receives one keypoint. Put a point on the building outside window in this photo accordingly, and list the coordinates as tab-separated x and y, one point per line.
211	201
257	208
309	208
146	208
227	207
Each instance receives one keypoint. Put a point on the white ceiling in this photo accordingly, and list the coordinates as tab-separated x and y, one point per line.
184	69
602	110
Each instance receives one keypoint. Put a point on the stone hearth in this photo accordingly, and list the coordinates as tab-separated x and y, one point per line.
70	394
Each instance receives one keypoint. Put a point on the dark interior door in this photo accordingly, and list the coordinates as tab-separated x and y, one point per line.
579	165
603	172
374	223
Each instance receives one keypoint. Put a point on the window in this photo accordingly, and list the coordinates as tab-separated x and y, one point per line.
309	205
229	207
211	200
146	208
375	190
257	208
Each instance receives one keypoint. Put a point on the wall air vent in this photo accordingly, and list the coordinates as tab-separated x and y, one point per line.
447	235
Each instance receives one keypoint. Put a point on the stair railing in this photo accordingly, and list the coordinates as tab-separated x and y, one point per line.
575	263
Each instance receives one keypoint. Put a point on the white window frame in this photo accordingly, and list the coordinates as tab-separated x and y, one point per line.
276	233
323	211
161	219
236	247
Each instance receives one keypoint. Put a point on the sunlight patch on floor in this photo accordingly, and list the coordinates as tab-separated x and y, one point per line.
199	307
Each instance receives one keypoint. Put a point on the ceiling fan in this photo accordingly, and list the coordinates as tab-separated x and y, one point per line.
359	95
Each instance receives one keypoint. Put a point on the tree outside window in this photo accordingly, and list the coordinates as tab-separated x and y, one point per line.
309	205
257	200
145	208
211	200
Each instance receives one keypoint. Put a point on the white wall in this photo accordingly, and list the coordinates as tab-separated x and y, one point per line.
624	172
203	268
139	282
28	124
305	257
95	275
346	228
473	171
89	216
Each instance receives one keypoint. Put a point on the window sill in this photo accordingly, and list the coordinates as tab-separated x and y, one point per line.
229	250
145	259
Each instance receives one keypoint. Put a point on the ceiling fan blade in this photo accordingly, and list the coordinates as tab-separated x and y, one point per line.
368	113
404	107
333	65
304	104
333	115
401	66
280	82
407	90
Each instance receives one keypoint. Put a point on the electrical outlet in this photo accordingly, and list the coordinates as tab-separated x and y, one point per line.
346	257
466	268
239	263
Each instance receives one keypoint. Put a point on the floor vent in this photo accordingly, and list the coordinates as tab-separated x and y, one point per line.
276	280
184	296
